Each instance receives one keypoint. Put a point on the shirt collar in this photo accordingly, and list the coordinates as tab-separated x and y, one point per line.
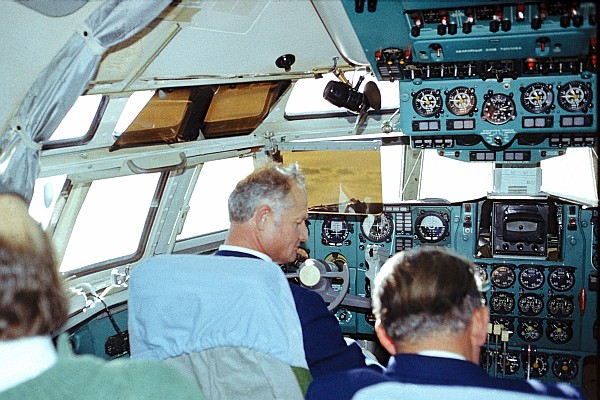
441	353
258	254
24	359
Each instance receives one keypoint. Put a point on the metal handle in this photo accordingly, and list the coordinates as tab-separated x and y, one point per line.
140	170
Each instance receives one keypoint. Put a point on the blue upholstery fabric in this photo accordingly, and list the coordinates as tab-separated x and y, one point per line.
189	303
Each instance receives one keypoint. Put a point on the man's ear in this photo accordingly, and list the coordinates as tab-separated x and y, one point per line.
479	321
384	339
263	213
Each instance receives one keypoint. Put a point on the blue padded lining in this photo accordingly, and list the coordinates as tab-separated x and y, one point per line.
188	303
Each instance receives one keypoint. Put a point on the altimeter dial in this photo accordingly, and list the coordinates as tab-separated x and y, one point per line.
427	102
575	96
537	98
461	100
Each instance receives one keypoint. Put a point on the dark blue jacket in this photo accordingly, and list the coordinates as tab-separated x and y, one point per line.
426	370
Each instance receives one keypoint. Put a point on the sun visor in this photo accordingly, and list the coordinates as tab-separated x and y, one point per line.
205	112
238	109
340	181
162	120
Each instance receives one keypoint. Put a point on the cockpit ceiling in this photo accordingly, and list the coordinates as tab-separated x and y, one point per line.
30	40
192	42
214	41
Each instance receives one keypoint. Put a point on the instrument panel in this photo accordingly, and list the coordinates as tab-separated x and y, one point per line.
542	304
486	80
516	113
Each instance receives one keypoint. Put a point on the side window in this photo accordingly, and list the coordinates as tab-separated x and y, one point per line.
79	125
111	220
208	211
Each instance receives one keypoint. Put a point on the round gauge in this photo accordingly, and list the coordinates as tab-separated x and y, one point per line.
559	332
427	102
431	227
531	277
537	98
343	315
595	260
560	306
377	228
503	276
530	330
498	109
508	363
565	368
502	302
461	100
575	96
335	230
531	304
539	366
561	279
506	324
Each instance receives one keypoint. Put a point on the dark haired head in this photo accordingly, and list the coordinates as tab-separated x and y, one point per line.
31	298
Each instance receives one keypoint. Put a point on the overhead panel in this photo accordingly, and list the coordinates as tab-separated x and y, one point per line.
221	40
487	81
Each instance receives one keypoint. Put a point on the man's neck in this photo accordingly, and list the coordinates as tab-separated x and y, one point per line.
458	344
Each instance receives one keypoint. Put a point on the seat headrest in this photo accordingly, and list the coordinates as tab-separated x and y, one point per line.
189	303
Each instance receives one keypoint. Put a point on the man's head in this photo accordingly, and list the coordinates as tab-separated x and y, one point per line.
426	294
31	298
268	211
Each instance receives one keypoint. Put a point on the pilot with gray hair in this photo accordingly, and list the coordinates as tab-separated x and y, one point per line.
268	211
432	319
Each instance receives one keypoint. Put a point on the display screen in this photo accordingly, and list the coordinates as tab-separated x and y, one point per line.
520	229
524	227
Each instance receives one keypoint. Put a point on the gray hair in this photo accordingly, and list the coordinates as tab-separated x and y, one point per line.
426	291
268	185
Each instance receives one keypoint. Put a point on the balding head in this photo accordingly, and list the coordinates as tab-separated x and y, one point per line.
31	298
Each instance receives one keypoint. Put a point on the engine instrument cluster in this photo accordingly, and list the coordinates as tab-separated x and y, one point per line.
471	114
542	285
